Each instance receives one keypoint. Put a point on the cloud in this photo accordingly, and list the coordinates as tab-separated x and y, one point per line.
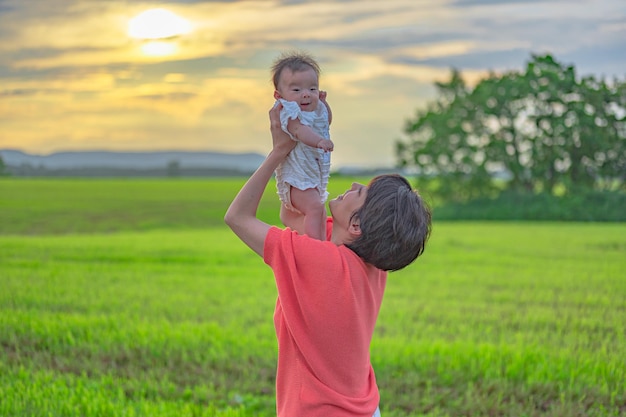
470	3
172	97
485	60
71	77
601	60
19	92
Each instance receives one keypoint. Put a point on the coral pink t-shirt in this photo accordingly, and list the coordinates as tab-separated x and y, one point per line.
328	302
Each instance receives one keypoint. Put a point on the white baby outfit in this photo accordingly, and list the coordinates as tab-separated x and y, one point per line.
305	166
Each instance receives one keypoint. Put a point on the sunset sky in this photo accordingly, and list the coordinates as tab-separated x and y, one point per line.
78	75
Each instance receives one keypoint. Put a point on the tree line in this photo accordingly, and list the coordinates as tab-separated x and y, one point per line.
542	129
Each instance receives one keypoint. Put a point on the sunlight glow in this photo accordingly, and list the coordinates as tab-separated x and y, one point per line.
159	48
157	24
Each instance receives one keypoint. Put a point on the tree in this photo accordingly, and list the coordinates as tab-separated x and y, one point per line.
173	168
3	168
541	129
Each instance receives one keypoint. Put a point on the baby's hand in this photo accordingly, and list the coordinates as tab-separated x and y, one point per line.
326	144
323	95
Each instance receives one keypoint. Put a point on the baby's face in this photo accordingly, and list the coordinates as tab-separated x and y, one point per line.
301	87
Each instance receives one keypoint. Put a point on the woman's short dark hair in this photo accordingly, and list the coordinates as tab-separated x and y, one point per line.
395	224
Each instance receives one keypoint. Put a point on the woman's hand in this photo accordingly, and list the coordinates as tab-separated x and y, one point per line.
281	142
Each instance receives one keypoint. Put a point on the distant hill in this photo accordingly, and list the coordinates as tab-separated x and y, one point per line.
107	163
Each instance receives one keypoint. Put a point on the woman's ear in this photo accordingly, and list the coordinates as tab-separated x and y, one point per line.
355	228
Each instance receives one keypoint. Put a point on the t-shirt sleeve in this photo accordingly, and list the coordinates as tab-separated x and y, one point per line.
311	278
283	249
298	257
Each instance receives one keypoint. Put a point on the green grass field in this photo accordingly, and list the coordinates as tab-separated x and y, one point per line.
131	298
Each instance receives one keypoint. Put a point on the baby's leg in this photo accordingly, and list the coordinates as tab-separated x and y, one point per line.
292	219
309	203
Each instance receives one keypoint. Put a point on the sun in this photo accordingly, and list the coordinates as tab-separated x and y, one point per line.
157	24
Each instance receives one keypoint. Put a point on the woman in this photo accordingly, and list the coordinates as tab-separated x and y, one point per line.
330	292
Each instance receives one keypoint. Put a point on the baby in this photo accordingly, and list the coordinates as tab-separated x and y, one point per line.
302	178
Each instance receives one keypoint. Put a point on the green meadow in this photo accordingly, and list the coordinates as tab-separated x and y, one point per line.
131	298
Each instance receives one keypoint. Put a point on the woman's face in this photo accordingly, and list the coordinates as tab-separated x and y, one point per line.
343	206
301	87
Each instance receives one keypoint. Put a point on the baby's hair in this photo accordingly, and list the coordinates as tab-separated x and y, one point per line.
295	61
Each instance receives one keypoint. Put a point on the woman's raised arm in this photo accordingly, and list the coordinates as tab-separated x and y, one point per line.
241	215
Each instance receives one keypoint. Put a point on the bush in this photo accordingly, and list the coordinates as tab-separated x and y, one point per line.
597	206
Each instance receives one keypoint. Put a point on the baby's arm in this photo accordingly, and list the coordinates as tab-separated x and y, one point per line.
307	135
